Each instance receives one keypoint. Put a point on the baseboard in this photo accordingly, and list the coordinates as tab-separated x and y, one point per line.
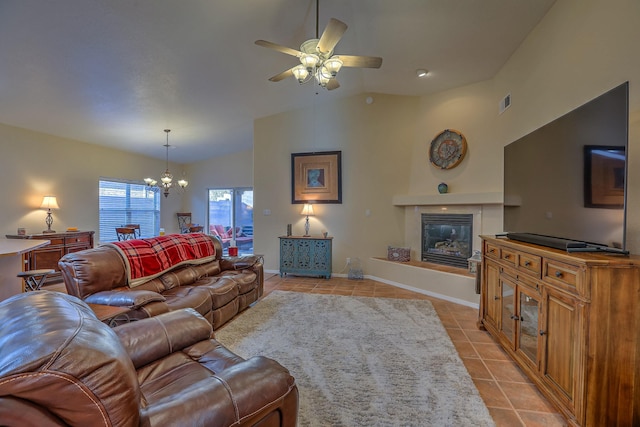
403	286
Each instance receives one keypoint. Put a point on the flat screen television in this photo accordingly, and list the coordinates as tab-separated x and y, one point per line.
565	183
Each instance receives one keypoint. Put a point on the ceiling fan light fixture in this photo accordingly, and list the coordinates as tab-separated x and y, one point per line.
316	57
309	60
322	78
333	65
300	73
422	72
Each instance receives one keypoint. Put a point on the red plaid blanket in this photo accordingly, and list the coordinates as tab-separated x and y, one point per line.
146	259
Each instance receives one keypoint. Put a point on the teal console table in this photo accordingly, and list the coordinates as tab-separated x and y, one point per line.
305	256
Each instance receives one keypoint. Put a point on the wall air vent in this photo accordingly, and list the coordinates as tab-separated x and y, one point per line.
505	103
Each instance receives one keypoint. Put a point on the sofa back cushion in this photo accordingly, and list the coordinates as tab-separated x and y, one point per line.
58	356
146	259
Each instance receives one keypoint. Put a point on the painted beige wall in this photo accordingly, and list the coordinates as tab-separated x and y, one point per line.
34	164
376	140
581	49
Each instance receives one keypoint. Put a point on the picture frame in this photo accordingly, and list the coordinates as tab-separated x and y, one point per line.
316	177
604	176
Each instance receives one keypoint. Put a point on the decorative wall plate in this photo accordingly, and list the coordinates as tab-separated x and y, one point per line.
447	149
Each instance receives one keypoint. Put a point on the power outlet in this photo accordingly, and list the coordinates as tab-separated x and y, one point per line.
348	260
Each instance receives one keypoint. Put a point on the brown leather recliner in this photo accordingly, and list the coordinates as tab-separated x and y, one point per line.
59	365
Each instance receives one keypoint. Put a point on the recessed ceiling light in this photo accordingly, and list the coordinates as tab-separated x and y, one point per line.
422	72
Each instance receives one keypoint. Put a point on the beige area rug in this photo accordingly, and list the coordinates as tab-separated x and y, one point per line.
361	361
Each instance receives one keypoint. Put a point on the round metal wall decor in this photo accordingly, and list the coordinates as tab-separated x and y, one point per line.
447	149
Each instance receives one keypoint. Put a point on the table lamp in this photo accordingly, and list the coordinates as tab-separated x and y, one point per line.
49	202
307	210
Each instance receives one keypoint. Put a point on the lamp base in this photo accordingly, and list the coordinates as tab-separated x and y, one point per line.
48	231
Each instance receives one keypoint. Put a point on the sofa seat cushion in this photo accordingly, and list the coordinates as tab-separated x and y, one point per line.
221	290
168	376
188	296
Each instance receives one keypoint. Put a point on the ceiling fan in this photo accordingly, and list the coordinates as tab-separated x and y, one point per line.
317	61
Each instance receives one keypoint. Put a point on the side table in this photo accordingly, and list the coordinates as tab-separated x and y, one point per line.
111	315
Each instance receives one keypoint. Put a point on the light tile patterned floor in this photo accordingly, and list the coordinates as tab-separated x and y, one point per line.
511	398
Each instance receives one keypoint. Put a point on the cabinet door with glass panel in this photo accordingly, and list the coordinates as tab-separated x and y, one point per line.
508	312
528	325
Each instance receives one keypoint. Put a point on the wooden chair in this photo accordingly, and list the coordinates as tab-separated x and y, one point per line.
136	229
125	233
184	221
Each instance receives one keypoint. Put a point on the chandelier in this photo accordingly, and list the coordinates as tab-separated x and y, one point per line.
166	179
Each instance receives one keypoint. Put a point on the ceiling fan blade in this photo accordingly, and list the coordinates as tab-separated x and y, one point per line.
279	48
283	75
360	61
331	35
333	84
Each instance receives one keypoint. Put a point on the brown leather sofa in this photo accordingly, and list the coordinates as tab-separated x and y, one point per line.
218	289
61	366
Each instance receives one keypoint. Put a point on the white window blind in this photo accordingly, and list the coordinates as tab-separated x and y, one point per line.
125	202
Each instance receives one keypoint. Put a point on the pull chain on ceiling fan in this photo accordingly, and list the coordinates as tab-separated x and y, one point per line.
317	61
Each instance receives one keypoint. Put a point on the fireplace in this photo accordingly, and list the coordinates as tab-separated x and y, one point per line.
447	238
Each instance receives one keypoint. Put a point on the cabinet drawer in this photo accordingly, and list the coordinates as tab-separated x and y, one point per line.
508	256
72	240
565	276
530	263
492	251
56	242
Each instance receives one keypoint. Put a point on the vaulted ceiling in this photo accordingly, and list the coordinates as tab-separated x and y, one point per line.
118	72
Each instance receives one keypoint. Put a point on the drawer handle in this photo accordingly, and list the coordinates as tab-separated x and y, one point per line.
507	256
492	250
496	298
542	333
558	274
514	317
527	263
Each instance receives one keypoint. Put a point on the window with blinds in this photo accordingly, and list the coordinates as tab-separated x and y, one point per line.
127	202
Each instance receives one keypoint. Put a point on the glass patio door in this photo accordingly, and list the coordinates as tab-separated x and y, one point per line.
231	218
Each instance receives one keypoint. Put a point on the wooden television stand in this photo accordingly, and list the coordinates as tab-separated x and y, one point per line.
571	321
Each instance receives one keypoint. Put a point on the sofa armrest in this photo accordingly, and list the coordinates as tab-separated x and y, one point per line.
132	299
241	263
150	339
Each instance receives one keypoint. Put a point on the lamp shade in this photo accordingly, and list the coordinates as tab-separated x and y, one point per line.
49	202
307	210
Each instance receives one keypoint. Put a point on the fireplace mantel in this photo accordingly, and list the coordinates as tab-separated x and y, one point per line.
448	199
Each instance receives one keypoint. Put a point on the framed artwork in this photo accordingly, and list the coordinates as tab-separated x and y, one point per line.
316	177
604	174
